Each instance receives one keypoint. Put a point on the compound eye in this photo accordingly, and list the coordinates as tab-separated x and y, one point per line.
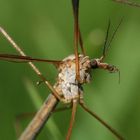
93	64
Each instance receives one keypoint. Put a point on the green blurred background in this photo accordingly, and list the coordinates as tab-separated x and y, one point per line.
44	29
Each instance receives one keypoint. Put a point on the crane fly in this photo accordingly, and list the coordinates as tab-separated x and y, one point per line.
73	72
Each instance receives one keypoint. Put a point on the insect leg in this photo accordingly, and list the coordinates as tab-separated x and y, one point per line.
18	49
75	4
74	108
113	131
81	43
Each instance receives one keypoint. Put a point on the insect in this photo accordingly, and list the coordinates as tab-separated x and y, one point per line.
73	72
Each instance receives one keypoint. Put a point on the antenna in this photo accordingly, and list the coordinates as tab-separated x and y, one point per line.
107	46
114	33
106	39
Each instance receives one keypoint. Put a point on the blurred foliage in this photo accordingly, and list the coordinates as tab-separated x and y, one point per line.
44	29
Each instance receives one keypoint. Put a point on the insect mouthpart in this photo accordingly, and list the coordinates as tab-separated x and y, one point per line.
98	63
112	68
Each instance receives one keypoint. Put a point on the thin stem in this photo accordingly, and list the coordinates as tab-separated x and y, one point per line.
39	120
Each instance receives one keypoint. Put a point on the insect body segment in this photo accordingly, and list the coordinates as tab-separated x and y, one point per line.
67	84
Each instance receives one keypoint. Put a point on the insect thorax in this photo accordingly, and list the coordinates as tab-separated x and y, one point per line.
67	84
